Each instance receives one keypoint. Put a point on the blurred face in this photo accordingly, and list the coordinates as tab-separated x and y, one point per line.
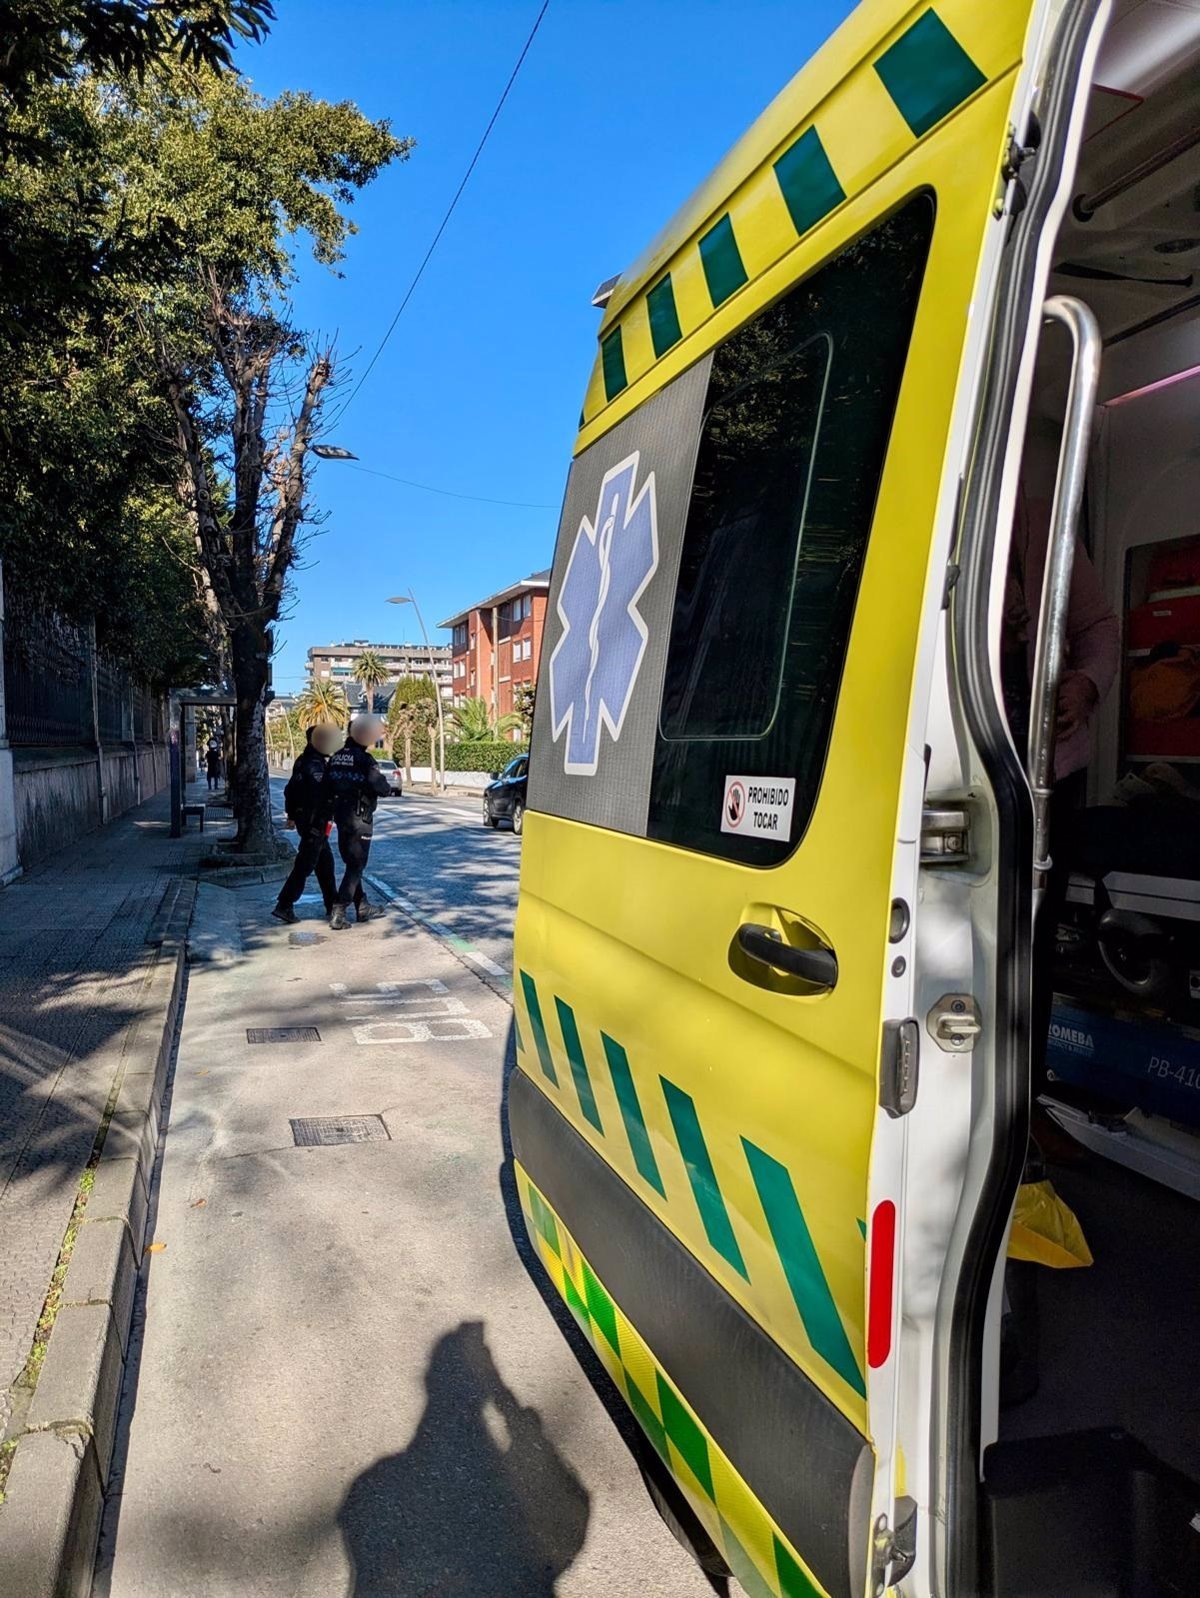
365	730
326	738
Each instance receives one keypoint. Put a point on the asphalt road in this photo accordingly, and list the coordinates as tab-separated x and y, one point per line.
437	854
344	1379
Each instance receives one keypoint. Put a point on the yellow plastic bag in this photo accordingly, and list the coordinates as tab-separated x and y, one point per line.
1045	1230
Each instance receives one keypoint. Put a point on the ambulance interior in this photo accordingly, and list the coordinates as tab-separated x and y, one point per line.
1109	1347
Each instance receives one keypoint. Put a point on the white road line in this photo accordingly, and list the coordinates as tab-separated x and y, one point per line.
484	964
442	929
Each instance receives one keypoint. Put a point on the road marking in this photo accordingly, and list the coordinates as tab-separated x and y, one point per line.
465	951
442	1017
447	1031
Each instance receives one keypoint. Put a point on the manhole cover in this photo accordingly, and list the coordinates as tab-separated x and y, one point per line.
282	1034
321	1131
303	938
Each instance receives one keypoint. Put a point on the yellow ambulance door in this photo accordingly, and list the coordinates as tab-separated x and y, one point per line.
725	789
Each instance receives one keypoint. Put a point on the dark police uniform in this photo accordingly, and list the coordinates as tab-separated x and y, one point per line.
357	785
308	801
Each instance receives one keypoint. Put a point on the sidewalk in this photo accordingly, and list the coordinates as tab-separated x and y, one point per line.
343	1379
76	984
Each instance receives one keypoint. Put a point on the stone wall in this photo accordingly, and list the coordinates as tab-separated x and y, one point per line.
56	792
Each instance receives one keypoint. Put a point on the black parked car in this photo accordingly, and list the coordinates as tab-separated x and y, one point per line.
504	796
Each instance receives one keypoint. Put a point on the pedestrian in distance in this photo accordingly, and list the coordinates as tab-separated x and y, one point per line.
357	785
213	767
308	803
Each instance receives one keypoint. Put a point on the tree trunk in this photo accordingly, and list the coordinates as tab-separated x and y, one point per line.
252	785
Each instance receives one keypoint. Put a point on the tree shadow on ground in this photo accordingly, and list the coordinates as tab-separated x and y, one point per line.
480	1503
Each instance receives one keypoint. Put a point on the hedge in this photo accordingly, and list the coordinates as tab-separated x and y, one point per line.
481	756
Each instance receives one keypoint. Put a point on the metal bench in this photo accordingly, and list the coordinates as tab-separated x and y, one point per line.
193	810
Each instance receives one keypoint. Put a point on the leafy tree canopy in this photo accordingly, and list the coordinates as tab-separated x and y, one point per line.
47	41
121	205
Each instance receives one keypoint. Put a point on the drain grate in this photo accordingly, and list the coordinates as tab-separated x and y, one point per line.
282	1034
313	1132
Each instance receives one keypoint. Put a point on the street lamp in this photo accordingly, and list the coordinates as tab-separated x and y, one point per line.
333	452
407	599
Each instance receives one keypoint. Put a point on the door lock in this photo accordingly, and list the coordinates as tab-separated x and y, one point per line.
954	1023
945	834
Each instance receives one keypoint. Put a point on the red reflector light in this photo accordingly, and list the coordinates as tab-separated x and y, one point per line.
882	1284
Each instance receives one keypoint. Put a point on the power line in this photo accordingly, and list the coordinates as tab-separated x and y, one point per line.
408	294
449	493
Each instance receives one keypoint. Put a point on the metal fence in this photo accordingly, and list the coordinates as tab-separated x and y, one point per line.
48	667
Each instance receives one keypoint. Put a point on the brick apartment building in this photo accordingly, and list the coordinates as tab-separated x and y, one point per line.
496	644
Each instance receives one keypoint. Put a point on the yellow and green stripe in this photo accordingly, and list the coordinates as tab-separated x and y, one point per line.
925	73
761	1558
786	1225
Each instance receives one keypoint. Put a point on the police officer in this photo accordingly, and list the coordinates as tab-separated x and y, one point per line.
357	785
308	801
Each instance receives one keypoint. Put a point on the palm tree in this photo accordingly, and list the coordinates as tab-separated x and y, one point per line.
322	701
370	673
471	723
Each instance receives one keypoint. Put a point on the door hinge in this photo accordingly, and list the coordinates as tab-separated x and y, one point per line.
954	1023
898	1067
894	1552
945	835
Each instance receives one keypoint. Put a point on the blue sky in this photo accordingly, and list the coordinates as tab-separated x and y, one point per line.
621	109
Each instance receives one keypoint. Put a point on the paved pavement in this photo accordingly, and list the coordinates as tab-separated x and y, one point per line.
73	963
348	1381
436	853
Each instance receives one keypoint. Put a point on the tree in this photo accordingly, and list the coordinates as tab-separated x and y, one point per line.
322	701
411	714
245	387
47	41
88	514
471	723
524	695
370	673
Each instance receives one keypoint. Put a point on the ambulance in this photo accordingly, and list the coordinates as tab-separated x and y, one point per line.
794	836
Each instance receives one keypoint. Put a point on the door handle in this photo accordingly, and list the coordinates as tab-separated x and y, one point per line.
1051	646
764	945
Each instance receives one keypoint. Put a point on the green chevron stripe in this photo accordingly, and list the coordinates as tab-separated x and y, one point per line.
612	354
928	73
664	316
686	1435
705	1188
808	182
534	1005
601	1309
749	1578
579	1070
724	271
544	1221
651	1424
802	1267
631	1114
794	1581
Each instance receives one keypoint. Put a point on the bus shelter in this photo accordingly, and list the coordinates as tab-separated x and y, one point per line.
182	701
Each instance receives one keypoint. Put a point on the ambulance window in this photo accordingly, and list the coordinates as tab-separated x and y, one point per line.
798	413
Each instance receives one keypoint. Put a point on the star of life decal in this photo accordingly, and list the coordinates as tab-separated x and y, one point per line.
596	662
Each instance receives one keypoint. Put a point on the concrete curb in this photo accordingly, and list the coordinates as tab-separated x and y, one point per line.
50	1519
239	876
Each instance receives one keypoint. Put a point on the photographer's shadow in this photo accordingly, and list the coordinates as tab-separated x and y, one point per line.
480	1503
